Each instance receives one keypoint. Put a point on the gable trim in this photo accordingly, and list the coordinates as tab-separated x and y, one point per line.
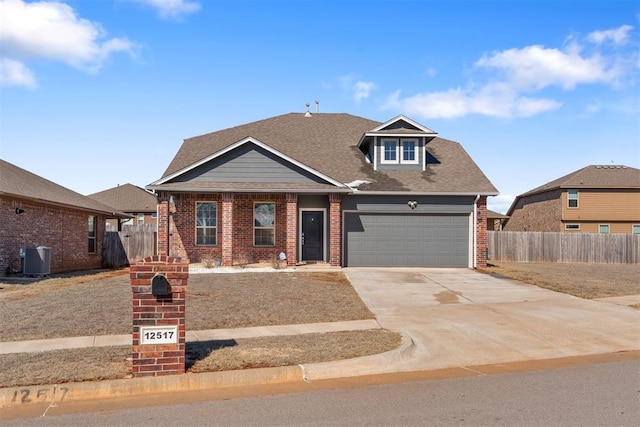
403	118
238	144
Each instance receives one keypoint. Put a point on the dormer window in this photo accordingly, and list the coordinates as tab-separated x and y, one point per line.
403	151
409	151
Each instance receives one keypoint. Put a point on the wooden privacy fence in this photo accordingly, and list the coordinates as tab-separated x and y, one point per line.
126	247
525	246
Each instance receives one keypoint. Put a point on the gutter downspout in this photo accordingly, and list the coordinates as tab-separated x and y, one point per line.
475	232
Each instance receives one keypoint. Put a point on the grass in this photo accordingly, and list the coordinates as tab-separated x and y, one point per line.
104	363
100	304
581	280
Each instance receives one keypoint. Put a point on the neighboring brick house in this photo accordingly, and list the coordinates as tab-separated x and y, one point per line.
594	199
328	188
495	220
38	212
130	199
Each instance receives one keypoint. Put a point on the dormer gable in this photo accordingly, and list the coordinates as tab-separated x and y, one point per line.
397	144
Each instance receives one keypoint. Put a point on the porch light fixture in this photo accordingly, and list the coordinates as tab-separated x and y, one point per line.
412	204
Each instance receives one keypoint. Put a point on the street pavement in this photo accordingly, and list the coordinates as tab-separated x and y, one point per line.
448	318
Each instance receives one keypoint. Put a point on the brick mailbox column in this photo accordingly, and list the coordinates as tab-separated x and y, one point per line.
159	285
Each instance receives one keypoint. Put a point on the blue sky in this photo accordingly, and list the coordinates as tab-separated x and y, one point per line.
99	93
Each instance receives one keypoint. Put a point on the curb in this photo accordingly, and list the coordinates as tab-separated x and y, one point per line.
90	390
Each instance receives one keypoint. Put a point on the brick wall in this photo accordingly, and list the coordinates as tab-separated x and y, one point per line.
538	212
335	229
481	232
63	230
177	236
149	359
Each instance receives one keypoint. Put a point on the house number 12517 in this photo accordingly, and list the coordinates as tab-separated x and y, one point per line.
158	335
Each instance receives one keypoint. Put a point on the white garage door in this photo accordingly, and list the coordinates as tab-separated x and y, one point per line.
402	240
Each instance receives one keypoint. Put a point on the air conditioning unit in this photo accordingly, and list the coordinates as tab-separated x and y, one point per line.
36	260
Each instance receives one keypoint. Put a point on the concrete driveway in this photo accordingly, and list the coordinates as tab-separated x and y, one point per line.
459	317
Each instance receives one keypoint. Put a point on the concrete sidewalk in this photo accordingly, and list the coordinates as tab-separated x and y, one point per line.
34	346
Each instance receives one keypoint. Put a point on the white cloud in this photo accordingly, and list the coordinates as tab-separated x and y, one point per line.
14	73
358	89
52	30
171	8
508	83
618	35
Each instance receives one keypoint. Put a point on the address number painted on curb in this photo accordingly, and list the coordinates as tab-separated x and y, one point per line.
158	335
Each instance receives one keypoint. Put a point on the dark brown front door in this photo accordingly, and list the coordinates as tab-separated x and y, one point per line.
312	236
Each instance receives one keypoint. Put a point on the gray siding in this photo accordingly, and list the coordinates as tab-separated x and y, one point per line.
426	204
249	163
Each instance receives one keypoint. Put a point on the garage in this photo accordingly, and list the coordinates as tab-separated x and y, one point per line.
406	240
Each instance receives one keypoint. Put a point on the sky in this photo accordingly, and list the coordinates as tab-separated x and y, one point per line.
97	93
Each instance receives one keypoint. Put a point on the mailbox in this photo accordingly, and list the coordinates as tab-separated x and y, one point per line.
159	285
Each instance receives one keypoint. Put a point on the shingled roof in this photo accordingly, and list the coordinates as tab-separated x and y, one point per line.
19	183
328	143
594	176
127	198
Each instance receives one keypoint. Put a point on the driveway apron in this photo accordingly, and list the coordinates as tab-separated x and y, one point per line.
459	317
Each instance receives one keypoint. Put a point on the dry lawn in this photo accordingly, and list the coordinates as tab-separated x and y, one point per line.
100	304
102	363
581	280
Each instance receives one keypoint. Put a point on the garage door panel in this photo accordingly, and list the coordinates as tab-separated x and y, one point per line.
416	240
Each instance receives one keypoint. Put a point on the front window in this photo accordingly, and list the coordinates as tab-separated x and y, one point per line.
603	228
264	224
390	154
409	149
572	198
206	223
92	228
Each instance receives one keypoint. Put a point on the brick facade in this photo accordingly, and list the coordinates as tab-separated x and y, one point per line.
538	212
63	230
235	227
235	230
481	232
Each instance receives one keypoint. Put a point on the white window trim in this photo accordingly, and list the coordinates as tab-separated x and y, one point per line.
604	225
566	227
384	151
93	238
195	230
416	157
264	228
577	199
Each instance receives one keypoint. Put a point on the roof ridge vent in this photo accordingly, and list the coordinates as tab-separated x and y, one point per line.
307	114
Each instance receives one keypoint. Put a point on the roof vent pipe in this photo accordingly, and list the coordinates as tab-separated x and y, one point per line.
307	114
317	106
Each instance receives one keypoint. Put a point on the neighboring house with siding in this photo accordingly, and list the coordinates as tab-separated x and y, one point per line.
38	212
324	188
594	199
132	200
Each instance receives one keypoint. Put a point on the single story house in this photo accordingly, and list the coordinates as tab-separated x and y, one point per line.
495	220
324	188
594	199
132	200
38	212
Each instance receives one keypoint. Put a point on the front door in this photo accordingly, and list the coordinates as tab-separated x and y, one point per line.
312	236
